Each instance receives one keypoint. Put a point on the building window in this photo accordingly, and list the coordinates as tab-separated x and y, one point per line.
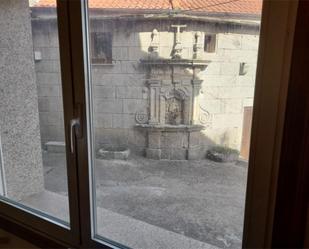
101	48
210	43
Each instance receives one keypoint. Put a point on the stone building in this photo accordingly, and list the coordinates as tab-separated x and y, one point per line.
169	79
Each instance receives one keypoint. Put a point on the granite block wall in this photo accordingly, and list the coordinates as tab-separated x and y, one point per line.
19	117
119	89
48	78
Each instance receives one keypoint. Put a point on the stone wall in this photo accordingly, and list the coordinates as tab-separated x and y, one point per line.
47	68
224	92
19	116
120	91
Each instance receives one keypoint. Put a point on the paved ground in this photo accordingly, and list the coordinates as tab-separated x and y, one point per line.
202	200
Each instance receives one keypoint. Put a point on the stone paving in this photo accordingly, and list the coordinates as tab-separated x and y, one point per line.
201	200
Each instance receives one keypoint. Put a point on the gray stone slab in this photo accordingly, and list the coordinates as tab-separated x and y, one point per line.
55	147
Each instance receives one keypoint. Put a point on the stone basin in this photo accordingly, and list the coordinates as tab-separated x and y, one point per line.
113	152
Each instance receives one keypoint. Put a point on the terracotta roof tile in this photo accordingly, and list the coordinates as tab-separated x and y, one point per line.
217	6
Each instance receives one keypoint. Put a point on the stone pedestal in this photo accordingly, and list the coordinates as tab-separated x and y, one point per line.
173	142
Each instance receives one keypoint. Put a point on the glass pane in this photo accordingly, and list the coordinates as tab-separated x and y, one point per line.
32	151
170	103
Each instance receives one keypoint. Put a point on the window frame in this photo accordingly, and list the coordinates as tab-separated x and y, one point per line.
271	91
35	220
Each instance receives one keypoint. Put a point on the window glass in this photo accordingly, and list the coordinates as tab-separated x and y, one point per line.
170	121
33	171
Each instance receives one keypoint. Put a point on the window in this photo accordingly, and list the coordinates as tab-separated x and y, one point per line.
101	49
110	135
210	43
32	129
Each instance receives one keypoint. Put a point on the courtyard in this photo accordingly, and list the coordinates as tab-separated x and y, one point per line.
199	200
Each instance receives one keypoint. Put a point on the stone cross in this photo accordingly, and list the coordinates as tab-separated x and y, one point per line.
177	33
177	47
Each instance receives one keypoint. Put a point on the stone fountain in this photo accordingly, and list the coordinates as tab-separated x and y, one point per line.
172	123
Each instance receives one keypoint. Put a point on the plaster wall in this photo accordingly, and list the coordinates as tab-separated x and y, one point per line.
19	116
119	89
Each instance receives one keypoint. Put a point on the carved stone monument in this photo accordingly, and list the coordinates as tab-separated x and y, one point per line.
172	122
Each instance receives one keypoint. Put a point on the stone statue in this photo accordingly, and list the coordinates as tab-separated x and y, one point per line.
198	45
154	45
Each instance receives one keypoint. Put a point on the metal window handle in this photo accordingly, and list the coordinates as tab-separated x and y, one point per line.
75	123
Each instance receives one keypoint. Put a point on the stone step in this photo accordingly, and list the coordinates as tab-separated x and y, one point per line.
55	147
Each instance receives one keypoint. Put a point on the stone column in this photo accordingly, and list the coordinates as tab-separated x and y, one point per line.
19	116
196	86
154	99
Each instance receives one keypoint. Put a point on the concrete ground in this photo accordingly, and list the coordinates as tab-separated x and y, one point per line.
201	200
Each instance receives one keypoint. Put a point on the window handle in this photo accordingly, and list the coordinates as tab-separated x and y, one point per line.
75	123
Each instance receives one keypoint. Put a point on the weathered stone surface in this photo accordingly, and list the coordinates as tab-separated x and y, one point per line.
229	68
250	42
48	66
19	116
129	92
108	106
131	106
48	78
195	153
195	139
113	137
229	41
153	154
178	154
55	147
49	90
117	153
154	140
173	140
50	104
103	120
104	92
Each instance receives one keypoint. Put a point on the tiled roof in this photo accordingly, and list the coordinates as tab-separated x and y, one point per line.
216	6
